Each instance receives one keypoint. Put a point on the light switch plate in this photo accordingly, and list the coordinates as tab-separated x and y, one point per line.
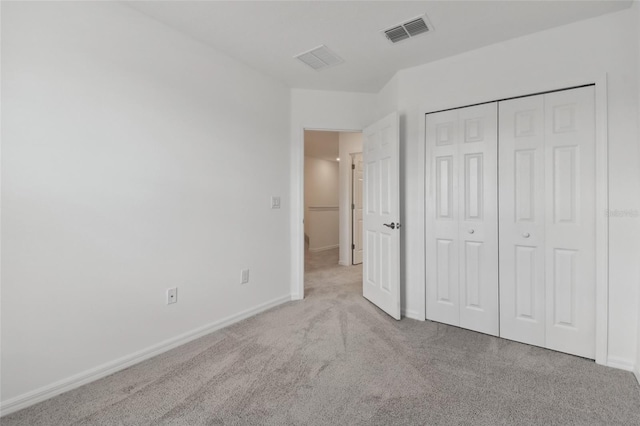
244	276
275	202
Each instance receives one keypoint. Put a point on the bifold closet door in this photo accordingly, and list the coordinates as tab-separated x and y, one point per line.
522	220
547	220
462	234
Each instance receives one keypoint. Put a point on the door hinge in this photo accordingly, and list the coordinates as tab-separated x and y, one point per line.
353	167
353	206
353	246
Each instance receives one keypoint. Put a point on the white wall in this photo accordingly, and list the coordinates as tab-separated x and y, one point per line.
349	143
387	98
636	6
323	110
321	183
552	59
134	159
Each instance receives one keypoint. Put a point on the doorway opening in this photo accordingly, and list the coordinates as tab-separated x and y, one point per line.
332	200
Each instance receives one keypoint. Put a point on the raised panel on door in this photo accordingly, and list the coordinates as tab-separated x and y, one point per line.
521	190
381	206
570	221
442	218
478	218
370	259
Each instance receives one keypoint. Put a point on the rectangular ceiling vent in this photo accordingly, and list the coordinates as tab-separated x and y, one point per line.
409	29
319	58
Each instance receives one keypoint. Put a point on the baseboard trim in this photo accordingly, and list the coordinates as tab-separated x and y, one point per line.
620	363
49	391
314	250
412	315
636	373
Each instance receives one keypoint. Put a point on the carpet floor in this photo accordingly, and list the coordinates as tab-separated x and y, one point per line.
335	359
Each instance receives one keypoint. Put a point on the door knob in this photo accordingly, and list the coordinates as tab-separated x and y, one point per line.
471	231
526	235
390	225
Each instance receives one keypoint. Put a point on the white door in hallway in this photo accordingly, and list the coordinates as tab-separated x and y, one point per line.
547	228
356	209
461	218
381	214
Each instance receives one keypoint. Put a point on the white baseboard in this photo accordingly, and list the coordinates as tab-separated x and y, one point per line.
620	363
33	397
636	372
412	315
317	249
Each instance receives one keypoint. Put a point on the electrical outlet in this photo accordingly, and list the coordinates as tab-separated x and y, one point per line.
244	276
172	295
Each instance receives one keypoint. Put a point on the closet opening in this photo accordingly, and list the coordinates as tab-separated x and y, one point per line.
513	243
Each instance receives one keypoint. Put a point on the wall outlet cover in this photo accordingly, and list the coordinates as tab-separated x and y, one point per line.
172	295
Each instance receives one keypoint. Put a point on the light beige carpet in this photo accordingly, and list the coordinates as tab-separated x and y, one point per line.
335	359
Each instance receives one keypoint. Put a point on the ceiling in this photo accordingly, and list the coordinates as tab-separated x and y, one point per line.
266	35
321	144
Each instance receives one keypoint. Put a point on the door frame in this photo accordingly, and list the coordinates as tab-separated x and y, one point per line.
297	208
602	202
352	156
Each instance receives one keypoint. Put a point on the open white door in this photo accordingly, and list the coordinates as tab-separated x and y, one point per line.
381	269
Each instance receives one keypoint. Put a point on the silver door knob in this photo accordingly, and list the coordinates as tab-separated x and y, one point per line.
526	235
471	231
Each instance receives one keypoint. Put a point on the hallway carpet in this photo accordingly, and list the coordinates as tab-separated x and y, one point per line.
335	359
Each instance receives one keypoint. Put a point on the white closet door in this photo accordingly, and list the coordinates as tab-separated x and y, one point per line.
522	218
442	218
570	221
462	239
478	212
547	225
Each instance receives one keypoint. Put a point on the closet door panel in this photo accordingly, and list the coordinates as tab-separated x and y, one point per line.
478	218
570	221
442	139
522	233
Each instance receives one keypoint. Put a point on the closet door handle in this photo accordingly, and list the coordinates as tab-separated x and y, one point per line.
526	235
471	231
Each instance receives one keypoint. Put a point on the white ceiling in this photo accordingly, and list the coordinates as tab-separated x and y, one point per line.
266	35
321	144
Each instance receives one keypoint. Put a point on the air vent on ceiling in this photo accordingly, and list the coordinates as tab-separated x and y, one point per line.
319	58
411	28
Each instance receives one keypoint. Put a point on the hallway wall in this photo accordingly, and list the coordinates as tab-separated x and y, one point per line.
321	184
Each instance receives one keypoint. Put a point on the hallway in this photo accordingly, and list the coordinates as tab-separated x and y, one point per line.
324	275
